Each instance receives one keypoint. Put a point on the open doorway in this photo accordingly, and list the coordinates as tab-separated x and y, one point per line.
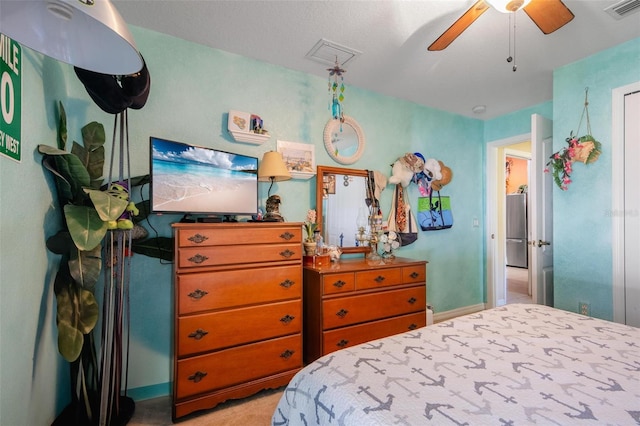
517	160
540	216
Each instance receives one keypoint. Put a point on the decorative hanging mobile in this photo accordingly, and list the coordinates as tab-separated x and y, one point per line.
585	149
337	91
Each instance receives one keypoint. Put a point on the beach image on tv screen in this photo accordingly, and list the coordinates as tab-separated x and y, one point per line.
191	179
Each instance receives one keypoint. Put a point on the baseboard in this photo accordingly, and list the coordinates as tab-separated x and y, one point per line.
447	315
149	392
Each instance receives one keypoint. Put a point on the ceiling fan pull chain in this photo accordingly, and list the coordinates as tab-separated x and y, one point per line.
515	66
509	58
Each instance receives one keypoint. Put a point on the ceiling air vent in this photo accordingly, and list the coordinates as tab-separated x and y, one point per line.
327	52
623	8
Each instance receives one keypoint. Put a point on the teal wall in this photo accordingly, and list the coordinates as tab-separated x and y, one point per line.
582	217
193	88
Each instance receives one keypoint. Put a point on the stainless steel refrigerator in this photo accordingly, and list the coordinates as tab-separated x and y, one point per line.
517	253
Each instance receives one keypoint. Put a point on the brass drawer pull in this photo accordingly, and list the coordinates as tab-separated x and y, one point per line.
287	354
412	300
342	313
413	326
287	253
198	258
198	294
197	376
339	284
198	239
198	334
287	319
287	236
287	283
379	279
342	343
414	275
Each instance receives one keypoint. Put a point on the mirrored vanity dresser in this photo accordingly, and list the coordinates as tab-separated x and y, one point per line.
356	299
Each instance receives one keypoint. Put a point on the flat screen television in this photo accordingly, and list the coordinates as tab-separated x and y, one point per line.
194	180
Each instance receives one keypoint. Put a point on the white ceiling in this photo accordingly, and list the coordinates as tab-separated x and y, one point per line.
393	36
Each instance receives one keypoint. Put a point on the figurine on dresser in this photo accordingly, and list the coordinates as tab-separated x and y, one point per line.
273	209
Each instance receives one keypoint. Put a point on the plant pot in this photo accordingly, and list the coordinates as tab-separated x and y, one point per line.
310	248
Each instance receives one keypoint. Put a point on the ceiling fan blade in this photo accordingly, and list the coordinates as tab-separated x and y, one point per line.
459	26
549	15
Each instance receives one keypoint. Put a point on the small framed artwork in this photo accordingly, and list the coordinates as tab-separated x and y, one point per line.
239	121
299	158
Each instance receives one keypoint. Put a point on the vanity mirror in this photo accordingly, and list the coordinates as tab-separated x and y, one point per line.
340	202
344	141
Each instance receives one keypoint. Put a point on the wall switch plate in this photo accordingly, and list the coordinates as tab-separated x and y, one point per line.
584	308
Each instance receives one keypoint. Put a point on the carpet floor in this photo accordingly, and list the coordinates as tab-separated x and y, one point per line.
252	411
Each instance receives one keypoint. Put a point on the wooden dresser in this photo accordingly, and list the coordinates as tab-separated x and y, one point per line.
238	311
355	300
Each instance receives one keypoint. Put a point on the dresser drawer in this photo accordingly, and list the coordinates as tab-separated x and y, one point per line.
378	278
356	334
414	274
372	306
224	289
339	283
229	367
234	235
196	257
217	330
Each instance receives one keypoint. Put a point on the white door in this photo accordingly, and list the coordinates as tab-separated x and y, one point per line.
632	209
625	203
541	213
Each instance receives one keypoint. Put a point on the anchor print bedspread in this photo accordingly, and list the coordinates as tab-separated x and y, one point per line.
512	365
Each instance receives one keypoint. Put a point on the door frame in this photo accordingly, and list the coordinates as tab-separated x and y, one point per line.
617	197
494	239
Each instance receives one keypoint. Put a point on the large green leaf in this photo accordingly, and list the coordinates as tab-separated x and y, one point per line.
93	161
158	247
109	207
71	175
93	136
85	226
77	315
85	267
70	340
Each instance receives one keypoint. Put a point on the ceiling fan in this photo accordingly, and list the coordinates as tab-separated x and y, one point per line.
548	15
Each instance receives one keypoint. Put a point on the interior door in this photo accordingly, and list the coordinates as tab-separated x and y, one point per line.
541	213
631	209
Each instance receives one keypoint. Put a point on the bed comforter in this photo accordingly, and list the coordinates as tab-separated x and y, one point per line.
511	365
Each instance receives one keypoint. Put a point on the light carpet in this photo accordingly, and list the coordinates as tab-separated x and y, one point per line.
252	411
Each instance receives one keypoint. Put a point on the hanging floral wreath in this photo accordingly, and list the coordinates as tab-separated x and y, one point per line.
584	149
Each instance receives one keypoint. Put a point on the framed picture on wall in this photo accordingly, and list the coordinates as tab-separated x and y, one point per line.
299	158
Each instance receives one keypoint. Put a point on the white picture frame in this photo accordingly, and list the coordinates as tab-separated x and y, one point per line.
300	158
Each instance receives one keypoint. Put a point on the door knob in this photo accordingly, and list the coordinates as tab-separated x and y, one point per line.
543	243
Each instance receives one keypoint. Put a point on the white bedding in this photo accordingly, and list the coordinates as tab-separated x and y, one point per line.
512	365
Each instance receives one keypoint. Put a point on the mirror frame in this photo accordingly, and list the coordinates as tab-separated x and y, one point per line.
331	126
329	170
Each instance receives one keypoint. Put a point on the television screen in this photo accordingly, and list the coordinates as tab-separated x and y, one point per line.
196	180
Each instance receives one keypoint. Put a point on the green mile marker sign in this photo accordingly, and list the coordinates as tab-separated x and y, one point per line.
10	95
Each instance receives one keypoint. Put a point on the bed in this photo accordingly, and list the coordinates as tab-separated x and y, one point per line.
512	365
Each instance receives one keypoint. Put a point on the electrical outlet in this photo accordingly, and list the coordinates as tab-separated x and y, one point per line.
584	308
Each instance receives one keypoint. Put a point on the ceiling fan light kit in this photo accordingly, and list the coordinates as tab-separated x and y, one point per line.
507	6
